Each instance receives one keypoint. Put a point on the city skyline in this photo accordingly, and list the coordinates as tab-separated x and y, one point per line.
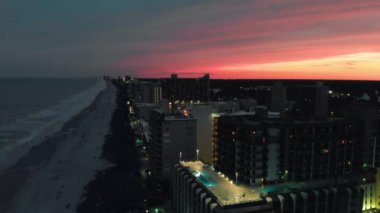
252	39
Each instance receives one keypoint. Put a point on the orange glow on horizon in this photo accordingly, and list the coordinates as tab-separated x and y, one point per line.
265	40
359	66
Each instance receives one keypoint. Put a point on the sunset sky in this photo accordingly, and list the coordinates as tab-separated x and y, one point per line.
270	39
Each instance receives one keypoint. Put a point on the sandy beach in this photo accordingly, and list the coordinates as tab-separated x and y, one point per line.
51	177
42	126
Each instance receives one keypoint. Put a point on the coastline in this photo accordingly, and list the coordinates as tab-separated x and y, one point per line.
11	152
51	175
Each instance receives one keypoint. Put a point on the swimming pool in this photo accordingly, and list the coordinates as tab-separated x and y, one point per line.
205	179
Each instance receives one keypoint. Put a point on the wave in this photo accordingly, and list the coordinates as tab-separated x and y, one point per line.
43	123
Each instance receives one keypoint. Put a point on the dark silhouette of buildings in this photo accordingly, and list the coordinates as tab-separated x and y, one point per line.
300	100
144	91
186	89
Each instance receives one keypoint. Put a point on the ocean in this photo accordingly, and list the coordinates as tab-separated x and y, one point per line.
29	107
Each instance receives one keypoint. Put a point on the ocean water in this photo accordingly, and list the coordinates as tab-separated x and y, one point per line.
29	106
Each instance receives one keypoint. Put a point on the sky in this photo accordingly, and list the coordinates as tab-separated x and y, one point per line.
258	39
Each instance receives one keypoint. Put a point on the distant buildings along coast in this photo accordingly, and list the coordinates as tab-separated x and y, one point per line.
288	148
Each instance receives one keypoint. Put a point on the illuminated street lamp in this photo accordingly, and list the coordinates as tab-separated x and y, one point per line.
197	154
180	157
237	176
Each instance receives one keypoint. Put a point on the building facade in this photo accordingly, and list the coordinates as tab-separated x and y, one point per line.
173	136
186	89
200	188
144	91
197	188
273	150
338	198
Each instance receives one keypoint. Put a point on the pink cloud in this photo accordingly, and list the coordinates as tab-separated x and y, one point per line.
264	32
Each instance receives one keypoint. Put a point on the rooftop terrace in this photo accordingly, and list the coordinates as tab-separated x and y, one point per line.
228	193
225	190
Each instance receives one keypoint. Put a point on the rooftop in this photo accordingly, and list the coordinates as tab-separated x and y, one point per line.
228	193
178	118
225	190
146	104
237	113
175	116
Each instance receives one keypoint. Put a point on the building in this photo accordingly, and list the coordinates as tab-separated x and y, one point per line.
198	187
278	98
263	95
367	121
214	126
173	136
225	107
143	110
266	150
307	100
370	196
303	165
288	155
203	115
337	198
241	148
144	91
186	89
321	100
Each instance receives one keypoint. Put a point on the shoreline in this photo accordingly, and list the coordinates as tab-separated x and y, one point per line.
50	177
11	152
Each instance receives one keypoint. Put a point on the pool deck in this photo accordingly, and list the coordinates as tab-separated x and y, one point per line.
228	193
225	190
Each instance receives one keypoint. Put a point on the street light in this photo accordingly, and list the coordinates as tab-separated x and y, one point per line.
180	157
197	154
237	176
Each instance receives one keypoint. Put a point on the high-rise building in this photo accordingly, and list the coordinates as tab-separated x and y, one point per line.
201	188
198	188
214	126
321	100
173	136
263	95
144	91
367	121
186	89
295	100
278	97
271	150
203	115
318	198
307	100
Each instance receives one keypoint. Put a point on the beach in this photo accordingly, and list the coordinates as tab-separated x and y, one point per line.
30	130
51	173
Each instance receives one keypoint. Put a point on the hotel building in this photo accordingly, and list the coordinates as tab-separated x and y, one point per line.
274	150
173	136
144	91
186	89
199	188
